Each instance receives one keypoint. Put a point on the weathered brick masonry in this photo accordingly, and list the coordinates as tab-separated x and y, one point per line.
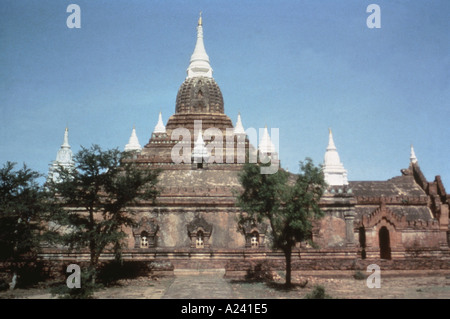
401	223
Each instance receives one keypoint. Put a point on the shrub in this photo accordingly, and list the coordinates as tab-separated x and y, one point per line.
261	271
86	291
359	275
111	272
318	293
3	285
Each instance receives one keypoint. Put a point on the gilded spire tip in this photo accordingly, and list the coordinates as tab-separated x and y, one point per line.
200	19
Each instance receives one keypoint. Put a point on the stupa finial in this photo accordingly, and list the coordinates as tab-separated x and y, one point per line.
199	64
334	172
412	156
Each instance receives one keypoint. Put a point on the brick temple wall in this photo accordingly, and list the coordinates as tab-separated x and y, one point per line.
173	227
238	262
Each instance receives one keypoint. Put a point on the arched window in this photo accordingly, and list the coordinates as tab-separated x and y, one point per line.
199	231
254	241
200	242
254	234
144	240
144	233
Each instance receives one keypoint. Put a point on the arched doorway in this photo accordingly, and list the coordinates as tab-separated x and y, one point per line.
385	246
362	241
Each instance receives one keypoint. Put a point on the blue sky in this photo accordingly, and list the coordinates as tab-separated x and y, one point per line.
300	66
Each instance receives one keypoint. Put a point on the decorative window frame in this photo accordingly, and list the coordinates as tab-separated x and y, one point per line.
149	227
252	228
196	226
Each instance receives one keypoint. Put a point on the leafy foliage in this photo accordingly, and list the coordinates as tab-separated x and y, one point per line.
288	205
25	206
21	202
86	291
95	196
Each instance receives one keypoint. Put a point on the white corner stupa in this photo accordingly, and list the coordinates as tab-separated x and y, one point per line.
159	128
333	169
265	143
200	154
199	64
239	128
412	157
133	142
64	158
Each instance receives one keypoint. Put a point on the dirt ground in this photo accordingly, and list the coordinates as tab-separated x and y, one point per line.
423	285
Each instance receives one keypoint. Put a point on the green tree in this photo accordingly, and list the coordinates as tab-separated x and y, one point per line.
95	196
287	203
23	206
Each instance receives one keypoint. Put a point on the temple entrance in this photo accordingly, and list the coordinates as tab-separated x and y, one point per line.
362	241
385	247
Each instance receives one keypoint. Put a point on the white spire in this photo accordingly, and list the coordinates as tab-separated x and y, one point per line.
333	169
133	142
200	152
265	143
64	155
413	157
331	146
65	143
160	128
199	64
239	128
63	158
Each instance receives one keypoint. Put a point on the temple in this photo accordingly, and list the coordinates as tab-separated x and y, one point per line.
402	223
